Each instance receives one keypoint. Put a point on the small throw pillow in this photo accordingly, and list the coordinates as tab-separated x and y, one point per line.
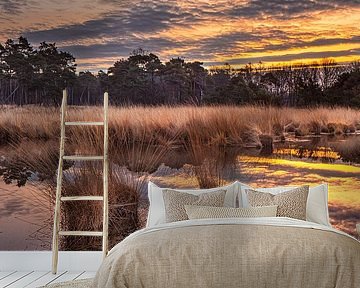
201	212
175	201
290	204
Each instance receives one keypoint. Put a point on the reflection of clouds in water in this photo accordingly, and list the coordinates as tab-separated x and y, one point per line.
15	201
24	218
344	217
37	210
14	206
316	167
287	173
344	185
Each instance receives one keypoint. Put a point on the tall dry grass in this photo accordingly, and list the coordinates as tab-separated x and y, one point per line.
222	125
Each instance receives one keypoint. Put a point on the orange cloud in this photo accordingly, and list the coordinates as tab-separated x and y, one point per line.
211	31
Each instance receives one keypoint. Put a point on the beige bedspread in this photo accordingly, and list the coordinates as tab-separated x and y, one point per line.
233	254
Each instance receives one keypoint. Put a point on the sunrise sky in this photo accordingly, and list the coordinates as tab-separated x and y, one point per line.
99	32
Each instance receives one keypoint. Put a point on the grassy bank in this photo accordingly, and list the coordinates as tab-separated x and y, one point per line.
223	125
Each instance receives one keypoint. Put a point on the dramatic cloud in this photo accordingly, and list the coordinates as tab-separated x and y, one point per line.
289	57
115	48
12	6
280	9
212	31
123	23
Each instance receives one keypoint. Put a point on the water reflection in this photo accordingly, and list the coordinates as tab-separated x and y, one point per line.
324	148
344	217
24	219
323	153
25	213
344	183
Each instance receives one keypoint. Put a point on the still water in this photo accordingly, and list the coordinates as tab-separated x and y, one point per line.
25	214
24	218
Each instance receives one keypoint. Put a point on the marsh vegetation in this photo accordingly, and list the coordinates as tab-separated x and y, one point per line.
189	146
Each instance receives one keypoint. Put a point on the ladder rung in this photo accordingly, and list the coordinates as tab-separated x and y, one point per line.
84	158
84	123
82	198
80	233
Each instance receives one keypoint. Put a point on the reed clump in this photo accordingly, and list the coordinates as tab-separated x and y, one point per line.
124	201
130	165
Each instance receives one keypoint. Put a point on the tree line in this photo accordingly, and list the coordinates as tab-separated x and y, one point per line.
31	75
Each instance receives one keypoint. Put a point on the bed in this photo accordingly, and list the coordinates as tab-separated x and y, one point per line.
233	252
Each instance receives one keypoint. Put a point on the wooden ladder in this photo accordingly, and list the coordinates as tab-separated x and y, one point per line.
59	198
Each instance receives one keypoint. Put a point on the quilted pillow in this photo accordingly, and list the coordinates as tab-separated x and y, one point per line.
290	204
201	212
175	202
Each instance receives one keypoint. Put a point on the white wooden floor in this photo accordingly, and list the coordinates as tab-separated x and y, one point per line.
32	279
32	268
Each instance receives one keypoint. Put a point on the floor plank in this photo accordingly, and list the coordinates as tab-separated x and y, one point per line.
87	275
45	279
5	274
34	279
12	278
77	277
68	276
27	280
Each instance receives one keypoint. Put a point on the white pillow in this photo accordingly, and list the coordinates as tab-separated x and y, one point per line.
156	214
317	203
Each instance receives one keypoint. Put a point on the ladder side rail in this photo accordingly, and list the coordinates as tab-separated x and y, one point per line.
105	177
55	242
